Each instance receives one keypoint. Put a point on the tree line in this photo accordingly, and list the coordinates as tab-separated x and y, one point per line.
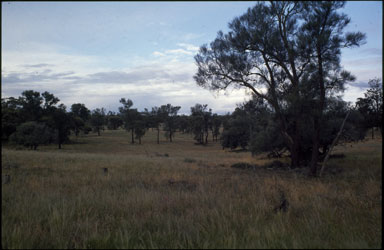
35	119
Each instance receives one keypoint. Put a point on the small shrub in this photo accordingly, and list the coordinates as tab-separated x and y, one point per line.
189	160
276	165
243	165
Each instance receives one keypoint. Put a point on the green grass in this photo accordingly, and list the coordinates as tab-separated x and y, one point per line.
62	198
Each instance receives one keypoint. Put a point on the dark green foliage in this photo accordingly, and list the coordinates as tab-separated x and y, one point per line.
129	116
371	106
140	129
216	124
155	118
58	119
237	134
79	117
30	102
267	138
249	120
10	116
32	134
77	124
98	119
80	110
169	114
183	124
201	122
114	121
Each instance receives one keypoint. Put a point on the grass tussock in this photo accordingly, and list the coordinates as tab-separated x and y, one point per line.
191	199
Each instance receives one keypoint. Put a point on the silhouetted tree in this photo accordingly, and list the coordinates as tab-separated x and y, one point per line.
290	49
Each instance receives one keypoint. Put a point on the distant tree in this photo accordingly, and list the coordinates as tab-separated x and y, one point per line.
201	122
60	121
32	134
31	102
114	121
216	124
80	116
169	113
49	100
97	120
183	123
236	131
80	110
156	117
10	116
129	116
140	129
371	106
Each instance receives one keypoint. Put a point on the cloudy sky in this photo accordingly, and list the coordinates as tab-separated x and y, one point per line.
98	52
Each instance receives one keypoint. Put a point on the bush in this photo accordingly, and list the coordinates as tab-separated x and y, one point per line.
32	134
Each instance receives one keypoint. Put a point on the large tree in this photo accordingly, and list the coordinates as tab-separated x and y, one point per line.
287	53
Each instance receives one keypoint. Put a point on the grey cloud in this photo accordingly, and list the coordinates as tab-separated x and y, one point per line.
372	51
135	76
19	77
40	65
360	85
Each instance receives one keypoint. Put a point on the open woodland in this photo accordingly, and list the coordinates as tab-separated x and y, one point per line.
253	178
182	195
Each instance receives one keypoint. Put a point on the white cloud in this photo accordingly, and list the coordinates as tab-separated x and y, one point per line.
178	51
157	53
189	47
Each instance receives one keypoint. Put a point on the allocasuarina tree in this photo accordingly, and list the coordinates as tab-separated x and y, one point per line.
287	53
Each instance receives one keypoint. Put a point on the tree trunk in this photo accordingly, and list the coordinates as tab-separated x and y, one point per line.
315	149
372	133
132	139
318	114
98	132
158	135
295	151
170	135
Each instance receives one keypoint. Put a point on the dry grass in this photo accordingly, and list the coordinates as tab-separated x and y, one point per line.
62	198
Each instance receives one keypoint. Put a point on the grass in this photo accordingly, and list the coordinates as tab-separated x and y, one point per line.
190	199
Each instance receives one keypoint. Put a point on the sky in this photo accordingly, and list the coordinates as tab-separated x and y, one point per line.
99	52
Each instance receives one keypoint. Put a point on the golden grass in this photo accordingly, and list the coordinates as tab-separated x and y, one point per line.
62	198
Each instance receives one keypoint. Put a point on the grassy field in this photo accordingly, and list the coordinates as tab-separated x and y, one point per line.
181	195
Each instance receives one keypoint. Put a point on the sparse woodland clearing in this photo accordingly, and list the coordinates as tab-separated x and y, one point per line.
182	195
